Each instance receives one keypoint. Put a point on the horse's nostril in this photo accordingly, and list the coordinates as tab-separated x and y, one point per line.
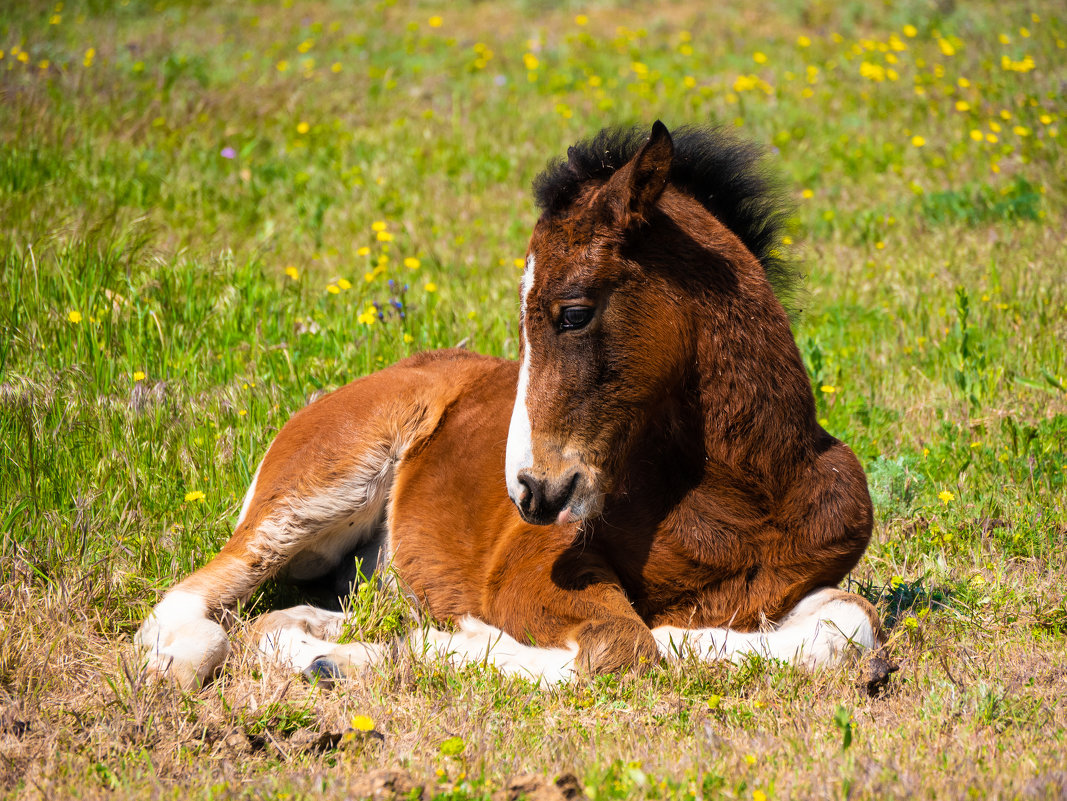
530	495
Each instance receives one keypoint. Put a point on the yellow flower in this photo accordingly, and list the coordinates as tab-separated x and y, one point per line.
828	389
408	339
976	135
194	496
138	375
895	582
378	225
282	65
412	263
750	759
530	60
918	141
333	289
945	496
910	31
335	67
384	236
963	105
363	251
302	127
368	316
520	263
435	21
581	19
74	316
292	272
242	412
803	41
759	58
90	54
807	194
431	287
759	795
344	283
362	723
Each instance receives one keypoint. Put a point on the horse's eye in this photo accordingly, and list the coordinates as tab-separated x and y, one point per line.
575	317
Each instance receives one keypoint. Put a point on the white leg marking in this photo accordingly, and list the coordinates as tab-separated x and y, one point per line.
479	643
295	638
296	650
181	642
819	631
519	454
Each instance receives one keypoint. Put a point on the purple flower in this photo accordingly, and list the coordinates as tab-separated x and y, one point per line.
228	153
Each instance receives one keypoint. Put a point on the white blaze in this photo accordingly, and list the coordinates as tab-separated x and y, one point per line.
520	451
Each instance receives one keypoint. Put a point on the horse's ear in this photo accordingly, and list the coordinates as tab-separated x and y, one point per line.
643	180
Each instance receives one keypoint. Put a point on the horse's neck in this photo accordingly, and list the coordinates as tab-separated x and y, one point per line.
754	393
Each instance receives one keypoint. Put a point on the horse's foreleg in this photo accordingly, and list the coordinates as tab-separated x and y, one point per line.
821	630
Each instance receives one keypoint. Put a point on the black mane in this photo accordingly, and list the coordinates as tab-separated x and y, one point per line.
723	173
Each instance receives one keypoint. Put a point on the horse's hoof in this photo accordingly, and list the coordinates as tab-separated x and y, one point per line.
323	671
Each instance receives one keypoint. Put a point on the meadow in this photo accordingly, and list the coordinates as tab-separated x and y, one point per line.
212	212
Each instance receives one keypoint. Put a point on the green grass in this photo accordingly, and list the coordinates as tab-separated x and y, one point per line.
188	253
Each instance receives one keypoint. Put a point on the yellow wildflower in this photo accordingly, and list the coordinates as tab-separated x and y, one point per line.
333	289
344	283
430	287
945	497
194	496
302	127
74	316
918	141
362	723
435	21
412	263
138	375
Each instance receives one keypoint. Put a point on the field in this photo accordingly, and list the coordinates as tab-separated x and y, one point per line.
211	212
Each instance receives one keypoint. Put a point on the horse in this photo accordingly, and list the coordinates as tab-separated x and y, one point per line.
649	481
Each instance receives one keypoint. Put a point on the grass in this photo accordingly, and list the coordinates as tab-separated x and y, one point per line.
211	212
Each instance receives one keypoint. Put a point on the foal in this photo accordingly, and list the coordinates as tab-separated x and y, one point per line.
665	488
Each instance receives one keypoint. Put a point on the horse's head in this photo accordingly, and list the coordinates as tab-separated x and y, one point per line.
603	340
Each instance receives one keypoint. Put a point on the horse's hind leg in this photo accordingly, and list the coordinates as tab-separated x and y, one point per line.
321	490
303	639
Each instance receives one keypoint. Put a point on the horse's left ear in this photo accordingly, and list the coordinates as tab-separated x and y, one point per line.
643	180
